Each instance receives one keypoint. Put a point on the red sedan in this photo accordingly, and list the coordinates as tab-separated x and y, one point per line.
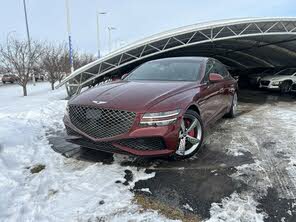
161	108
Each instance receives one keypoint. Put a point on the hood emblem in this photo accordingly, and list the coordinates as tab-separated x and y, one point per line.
99	102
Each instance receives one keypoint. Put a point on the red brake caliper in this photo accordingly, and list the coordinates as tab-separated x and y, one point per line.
192	132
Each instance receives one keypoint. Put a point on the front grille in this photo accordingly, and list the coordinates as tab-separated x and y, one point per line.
101	123
265	82
149	143
71	132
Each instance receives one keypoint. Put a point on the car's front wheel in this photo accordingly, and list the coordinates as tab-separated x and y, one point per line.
286	86
191	135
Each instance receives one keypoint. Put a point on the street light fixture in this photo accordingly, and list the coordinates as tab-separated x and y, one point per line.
98	32
110	29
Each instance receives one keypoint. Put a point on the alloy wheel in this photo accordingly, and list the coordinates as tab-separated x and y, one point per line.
286	87
190	135
234	104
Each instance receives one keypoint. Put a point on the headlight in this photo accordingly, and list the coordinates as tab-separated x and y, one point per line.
159	119
276	83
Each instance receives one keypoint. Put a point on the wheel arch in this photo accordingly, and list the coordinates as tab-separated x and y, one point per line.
288	80
194	108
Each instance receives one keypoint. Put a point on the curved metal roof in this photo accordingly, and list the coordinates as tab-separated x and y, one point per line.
239	43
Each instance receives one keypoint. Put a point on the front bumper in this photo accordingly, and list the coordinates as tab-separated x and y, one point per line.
140	141
269	86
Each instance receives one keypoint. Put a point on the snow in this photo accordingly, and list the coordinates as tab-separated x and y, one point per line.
188	207
267	132
67	189
237	207
146	190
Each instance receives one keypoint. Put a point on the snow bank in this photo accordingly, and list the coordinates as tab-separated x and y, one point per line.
67	189
237	207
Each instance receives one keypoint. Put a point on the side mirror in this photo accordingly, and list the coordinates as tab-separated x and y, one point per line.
215	77
124	76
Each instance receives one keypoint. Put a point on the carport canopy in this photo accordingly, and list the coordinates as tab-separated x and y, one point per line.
239	43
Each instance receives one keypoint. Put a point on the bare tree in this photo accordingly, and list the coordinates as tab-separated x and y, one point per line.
83	59
53	62
79	60
56	61
20	59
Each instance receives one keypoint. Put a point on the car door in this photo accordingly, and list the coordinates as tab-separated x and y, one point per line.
210	102
227	87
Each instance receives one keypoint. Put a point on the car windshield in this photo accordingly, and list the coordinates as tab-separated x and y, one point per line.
286	72
167	70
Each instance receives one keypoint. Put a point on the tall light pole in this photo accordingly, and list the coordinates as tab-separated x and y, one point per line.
110	29
98	32
28	36
69	35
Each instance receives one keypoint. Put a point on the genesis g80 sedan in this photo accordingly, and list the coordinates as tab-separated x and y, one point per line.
161	108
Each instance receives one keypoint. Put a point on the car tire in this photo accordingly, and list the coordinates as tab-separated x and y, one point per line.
286	86
193	139
4	82
233	109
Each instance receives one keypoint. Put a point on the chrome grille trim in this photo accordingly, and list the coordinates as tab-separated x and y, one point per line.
101	123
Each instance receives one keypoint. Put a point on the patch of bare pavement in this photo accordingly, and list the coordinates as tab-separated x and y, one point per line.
249	161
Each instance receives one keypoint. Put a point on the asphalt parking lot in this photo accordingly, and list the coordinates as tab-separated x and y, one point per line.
251	155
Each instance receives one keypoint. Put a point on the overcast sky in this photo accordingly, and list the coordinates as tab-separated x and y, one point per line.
134	19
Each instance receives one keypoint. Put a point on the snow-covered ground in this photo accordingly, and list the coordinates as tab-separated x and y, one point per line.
66	189
268	132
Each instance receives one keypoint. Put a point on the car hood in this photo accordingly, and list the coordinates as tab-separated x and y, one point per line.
276	78
136	96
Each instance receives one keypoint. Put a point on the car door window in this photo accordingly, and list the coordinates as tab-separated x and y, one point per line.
214	66
210	68
220	69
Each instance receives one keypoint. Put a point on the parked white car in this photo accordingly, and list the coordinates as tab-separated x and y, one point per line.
255	78
293	88
283	80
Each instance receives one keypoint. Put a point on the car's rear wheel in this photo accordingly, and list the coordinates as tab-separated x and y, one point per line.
233	109
191	135
286	87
